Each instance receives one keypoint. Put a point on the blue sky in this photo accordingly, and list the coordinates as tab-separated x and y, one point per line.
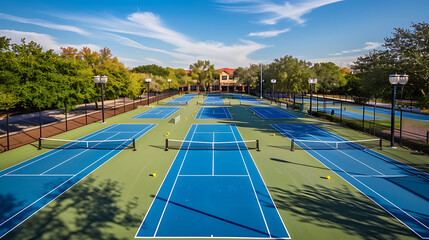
229	33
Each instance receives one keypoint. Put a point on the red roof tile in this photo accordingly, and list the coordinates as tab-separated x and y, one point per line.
230	71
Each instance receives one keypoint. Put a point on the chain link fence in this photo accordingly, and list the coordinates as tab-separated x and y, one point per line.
21	129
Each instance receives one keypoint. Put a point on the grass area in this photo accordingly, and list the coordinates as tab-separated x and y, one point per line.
112	201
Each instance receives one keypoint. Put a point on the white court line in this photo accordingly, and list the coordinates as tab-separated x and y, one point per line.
74	156
277	210
251	182
213	156
382	176
174	184
228	115
185	175
258	113
200	112
382	157
159	189
400	209
351	157
38	175
50	153
150	125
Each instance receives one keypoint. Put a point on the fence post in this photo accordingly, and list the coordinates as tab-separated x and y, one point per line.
65	112
166	145
341	112
292	145
427	137
363	118
375	105
86	115
7	129
257	146
293	101
400	128
124	104
40	122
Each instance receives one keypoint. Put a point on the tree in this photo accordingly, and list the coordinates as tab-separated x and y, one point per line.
329	76
248	76
291	74
410	50
407	51
203	72
153	69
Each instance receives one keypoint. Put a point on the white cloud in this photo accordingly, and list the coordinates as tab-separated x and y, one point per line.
43	24
46	41
343	61
372	45
153	61
286	10
268	33
369	46
185	50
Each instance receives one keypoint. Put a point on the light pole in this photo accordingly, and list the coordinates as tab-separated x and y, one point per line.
261	80
148	80
273	81
395	80
169	81
103	80
311	81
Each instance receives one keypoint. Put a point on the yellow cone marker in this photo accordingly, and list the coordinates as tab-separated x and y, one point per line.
186	119
328	177
168	133
153	174
274	134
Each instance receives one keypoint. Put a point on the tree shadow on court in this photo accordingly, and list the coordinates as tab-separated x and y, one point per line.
9	205
89	210
338	208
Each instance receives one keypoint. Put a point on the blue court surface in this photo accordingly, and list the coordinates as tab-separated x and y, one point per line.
158	113
350	115
213	100
250	101
183	100
398	188
414	116
247	100
29	186
213	193
213	113
314	101
271	113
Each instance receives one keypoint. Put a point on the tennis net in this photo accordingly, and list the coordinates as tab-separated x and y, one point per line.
214	103
335	145
50	143
173	102
201	145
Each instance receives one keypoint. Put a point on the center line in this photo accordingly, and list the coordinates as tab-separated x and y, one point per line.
213	154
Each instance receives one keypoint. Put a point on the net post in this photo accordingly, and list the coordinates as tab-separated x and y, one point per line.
292	145
381	144
257	146
134	145
166	145
40	144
